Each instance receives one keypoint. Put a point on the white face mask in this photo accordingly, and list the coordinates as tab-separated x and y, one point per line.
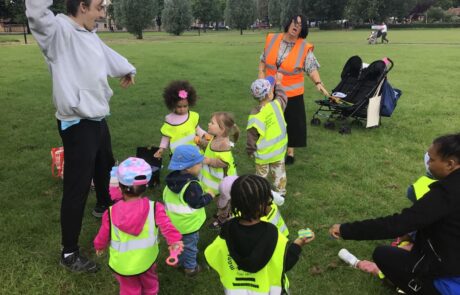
426	159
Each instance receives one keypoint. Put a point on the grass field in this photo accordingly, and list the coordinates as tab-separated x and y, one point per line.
336	179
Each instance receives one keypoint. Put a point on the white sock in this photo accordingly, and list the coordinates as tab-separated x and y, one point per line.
277	198
348	258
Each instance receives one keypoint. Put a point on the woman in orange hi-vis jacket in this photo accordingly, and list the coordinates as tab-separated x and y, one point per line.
289	54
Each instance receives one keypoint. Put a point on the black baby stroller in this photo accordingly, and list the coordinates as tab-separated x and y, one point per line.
351	97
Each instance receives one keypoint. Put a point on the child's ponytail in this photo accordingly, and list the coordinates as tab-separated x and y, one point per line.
236	133
226	121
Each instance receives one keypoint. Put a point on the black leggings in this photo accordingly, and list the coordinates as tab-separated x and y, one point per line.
396	264
87	155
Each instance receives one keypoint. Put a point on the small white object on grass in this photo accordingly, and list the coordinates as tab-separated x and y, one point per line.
348	258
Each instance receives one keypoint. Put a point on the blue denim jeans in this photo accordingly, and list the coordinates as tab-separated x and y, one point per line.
188	257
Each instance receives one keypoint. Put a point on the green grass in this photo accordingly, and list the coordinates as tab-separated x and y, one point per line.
336	179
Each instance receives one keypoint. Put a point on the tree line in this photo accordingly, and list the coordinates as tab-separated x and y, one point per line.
176	16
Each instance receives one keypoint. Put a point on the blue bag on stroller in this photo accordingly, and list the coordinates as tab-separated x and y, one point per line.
389	100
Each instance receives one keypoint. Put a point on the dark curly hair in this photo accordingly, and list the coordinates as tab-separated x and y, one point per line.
448	146
251	194
304	31
171	93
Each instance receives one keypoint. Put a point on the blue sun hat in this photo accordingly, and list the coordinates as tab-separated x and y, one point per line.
185	156
134	171
260	88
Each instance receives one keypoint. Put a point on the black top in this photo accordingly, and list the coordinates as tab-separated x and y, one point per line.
435	217
252	246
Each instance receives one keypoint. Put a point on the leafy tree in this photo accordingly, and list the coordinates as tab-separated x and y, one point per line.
262	9
159	5
135	15
289	8
274	12
435	14
177	16
205	10
240	13
329	9
444	4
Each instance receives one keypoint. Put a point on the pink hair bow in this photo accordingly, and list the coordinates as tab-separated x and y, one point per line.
183	94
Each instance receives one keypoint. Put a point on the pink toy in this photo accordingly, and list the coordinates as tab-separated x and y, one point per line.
174	251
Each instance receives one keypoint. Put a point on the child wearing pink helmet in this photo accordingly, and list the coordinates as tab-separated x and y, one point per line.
130	230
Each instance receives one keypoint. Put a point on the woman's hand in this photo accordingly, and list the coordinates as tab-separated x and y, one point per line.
334	231
320	88
127	81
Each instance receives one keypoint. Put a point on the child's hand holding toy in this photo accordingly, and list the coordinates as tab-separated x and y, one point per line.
174	251
305	236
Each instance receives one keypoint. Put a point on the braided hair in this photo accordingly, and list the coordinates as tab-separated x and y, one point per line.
251	194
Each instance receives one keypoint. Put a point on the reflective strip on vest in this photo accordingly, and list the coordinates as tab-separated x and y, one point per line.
136	244
179	209
213	172
183	141
294	86
272	154
257	122
279	117
212	176
421	186
270	45
270	280
299	57
274	290
183	217
277	220
210	183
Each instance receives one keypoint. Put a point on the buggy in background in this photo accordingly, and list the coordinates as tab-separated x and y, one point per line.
360	84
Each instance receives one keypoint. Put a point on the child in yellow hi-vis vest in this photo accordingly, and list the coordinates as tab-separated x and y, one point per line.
130	229
181	125
251	255
218	158
185	199
267	138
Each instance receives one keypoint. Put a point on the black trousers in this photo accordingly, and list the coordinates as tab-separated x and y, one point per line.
296	121
87	155
384	37
396	264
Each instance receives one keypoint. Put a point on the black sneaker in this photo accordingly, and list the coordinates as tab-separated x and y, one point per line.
192	272
99	210
77	263
289	160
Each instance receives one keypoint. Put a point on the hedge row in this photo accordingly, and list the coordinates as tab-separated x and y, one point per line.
334	26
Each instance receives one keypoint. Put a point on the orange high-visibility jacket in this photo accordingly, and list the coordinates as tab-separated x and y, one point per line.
291	67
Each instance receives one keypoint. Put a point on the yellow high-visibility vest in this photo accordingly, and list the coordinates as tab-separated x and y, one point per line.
132	255
182	134
271	126
421	186
275	218
212	176
183	217
269	280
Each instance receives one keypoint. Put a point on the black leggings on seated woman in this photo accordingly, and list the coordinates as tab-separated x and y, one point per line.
396	264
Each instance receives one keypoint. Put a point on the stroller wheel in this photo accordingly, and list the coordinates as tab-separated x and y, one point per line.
315	122
345	130
329	125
